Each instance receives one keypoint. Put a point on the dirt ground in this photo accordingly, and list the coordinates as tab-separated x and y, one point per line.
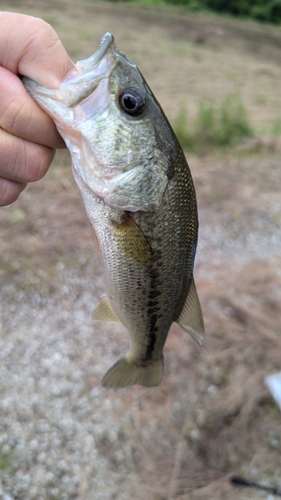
212	416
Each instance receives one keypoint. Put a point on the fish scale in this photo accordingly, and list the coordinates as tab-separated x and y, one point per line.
139	197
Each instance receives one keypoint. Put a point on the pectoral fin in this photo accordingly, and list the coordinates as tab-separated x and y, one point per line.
104	312
132	241
191	318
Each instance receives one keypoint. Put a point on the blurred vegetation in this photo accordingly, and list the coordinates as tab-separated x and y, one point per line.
261	10
214	126
276	128
5	461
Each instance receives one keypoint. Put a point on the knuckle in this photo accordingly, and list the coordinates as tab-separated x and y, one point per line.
23	161
11	116
33	161
42	160
9	191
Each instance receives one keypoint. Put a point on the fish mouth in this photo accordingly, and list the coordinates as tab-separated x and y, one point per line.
106	41
76	87
81	82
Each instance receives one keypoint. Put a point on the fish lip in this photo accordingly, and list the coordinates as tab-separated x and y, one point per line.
106	41
86	65
85	76
80	83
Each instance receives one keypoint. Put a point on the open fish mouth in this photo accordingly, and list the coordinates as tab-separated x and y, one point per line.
82	82
90	72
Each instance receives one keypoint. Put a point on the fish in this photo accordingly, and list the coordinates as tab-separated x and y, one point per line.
140	199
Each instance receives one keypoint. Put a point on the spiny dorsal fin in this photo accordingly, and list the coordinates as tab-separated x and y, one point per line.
191	318
104	312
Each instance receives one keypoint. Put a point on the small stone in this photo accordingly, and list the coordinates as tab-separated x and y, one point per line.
212	390
195	435
60	266
6	449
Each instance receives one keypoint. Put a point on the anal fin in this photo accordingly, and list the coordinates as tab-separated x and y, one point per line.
191	318
104	312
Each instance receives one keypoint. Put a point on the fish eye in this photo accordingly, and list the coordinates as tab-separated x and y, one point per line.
132	102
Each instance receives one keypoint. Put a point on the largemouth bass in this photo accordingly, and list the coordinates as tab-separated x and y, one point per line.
139	197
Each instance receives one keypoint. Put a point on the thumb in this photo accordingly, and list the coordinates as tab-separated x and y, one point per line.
30	47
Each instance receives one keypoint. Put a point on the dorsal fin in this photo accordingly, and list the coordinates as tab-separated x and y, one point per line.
104	312
191	318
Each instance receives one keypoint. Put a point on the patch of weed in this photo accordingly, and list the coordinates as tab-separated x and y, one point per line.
276	127
214	126
232	122
182	131
5	461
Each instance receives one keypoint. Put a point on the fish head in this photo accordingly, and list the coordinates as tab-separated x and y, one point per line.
121	143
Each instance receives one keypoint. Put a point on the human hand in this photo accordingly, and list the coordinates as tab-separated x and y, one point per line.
28	136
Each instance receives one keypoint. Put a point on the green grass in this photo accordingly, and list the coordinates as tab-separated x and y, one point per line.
5	461
276	127
268	11
214	126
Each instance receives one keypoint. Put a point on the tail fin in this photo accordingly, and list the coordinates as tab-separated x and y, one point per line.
124	373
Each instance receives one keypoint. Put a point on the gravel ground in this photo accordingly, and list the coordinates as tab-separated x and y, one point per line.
62	436
255	234
54	414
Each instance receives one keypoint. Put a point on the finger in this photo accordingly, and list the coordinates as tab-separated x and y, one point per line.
23	161
29	46
21	116
9	191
